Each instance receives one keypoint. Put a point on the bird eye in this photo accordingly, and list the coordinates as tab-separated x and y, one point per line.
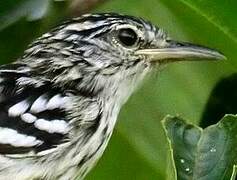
127	37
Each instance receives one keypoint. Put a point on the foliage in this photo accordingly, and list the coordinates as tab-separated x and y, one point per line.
202	153
22	21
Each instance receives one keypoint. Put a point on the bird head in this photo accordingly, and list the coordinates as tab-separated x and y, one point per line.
108	53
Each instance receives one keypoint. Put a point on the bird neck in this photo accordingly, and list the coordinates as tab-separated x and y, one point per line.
113	96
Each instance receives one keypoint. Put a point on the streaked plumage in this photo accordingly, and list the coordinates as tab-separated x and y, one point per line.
60	101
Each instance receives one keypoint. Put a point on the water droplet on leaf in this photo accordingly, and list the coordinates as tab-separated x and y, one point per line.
187	169
213	149
182	161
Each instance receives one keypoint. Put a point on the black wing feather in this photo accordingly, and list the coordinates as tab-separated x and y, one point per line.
12	94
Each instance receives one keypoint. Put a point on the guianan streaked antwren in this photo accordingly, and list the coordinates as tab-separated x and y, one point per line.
59	102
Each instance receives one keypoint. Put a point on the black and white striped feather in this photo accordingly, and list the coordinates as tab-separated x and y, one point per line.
31	118
59	102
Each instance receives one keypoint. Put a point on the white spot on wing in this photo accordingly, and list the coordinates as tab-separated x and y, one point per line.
18	108
12	137
60	126
54	126
56	101
28	118
39	105
25	141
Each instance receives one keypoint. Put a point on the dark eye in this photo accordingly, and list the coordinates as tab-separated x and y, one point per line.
127	37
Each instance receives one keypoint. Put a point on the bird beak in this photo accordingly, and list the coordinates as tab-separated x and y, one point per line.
179	51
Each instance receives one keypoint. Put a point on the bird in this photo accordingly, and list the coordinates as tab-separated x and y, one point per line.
60	100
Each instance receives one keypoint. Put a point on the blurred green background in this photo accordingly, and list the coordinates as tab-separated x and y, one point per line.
138	148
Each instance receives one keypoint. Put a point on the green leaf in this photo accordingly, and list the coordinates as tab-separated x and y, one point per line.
234	173
31	9
183	139
215	12
22	21
203	154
